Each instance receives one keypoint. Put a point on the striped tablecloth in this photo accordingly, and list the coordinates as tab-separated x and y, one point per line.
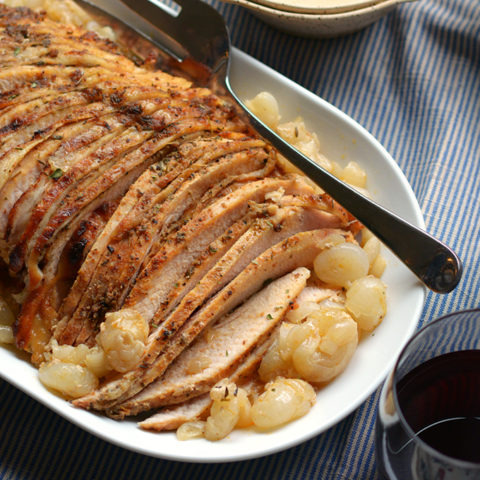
413	80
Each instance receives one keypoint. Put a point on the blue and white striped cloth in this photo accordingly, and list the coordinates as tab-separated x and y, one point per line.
413	80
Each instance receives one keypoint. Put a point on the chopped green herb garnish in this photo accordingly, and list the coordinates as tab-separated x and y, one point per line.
34	84
269	317
56	174
57	137
212	249
17	51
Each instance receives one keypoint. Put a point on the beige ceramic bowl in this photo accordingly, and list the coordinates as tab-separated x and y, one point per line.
340	17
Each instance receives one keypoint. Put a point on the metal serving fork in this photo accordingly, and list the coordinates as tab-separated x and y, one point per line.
191	30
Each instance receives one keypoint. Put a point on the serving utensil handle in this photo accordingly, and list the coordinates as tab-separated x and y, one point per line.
433	262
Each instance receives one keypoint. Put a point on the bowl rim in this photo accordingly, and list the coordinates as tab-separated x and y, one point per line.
318	6
275	12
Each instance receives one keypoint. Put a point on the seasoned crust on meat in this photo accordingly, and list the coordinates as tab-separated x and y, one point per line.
124	187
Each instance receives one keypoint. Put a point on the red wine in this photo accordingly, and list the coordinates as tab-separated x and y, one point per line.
440	400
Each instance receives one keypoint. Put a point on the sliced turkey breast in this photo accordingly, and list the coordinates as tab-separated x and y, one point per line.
299	249
224	346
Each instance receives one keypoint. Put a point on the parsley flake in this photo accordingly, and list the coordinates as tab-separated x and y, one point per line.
56	174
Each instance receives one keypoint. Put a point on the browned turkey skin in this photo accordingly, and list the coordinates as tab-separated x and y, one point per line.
127	187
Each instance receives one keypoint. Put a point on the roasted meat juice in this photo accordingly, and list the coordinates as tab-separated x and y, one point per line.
440	400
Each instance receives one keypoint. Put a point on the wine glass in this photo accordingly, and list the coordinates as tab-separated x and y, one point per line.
428	419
